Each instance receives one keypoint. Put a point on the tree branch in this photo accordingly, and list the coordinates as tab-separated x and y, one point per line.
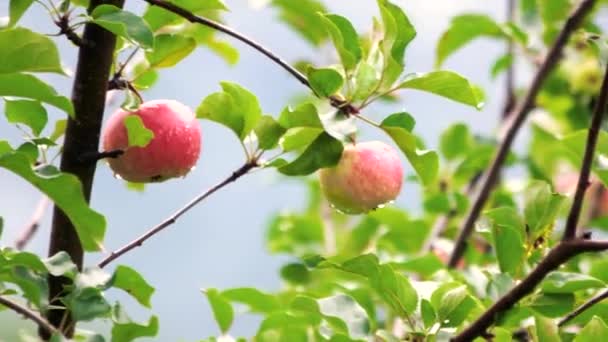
558	255
591	302
31	315
173	218
583	178
516	121
32	227
81	137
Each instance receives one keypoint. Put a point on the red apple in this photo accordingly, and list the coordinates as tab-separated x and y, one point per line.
368	175
172	152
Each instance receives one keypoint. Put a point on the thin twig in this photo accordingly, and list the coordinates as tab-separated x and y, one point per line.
583	178
31	228
66	29
173	218
557	256
31	315
588	304
516	121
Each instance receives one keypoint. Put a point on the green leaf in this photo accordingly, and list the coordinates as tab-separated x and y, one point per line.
453	304
299	137
553	13
304	115
462	30
348	311
398	33
456	141
324	151
146	79
291	233
269	132
565	282
295	273
138	135
425	163
302	17
425	265
22	50
87	304
501	64
575	143
366	80
59	129
325	82
429	317
235	107
396	290
508	233
546	330
444	83
66	192
595	330
16	10
345	39
169	49
124	24
222	310
541	207
29	150
130	281
126	330
29	113
257	300
553	305
28	86
61	264
33	285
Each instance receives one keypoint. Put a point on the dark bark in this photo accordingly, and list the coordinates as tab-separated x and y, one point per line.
81	137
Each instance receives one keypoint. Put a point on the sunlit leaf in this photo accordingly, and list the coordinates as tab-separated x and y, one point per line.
447	84
22	50
124	24
462	30
222	310
138	135
28	86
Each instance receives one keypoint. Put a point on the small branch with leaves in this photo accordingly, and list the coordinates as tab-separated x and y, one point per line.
516	120
567	248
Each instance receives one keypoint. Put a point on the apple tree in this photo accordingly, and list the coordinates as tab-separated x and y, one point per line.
488	257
